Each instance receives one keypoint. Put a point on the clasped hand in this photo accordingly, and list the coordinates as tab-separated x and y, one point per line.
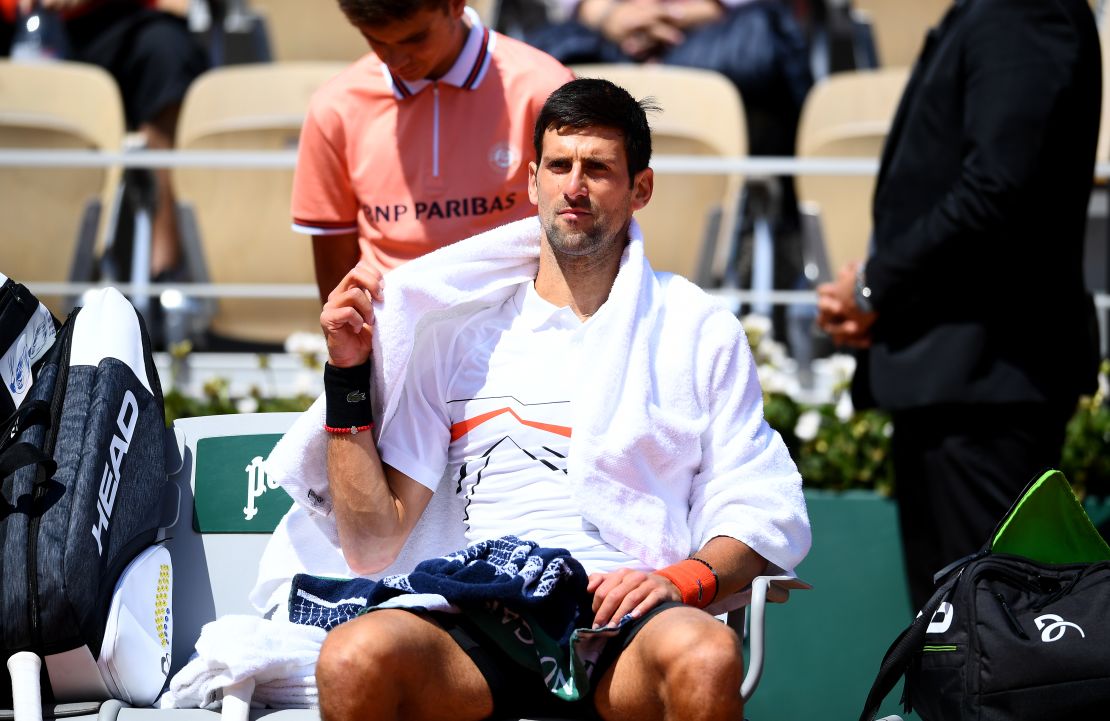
837	312
647	27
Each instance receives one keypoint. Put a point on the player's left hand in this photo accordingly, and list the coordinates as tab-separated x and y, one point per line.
625	591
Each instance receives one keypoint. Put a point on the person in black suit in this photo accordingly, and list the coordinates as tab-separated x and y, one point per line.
974	327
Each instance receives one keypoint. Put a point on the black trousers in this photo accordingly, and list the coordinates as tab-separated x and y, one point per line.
958	469
151	54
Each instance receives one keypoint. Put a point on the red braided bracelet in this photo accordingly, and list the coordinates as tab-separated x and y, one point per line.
353	430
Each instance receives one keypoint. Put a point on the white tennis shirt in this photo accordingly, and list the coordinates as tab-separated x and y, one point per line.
487	407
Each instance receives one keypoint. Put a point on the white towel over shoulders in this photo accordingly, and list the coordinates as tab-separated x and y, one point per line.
670	446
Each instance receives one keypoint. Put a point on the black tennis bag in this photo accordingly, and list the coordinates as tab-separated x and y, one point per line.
1018	632
85	586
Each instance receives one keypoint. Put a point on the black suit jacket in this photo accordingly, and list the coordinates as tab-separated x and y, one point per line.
980	210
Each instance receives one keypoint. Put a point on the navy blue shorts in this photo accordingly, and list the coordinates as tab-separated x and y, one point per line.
519	692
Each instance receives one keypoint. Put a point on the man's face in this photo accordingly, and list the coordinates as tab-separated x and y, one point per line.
423	45
581	187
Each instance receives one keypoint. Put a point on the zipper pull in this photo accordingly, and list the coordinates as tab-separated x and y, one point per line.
1011	617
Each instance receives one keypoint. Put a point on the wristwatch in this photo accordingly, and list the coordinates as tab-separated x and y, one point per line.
863	291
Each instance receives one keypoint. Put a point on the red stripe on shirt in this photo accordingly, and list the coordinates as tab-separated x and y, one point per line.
463	427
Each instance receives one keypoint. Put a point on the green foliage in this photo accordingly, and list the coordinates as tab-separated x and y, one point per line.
831	453
216	401
216	393
1086	460
852	454
837	454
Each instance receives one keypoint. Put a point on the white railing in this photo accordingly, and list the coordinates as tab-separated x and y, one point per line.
278	159
286	159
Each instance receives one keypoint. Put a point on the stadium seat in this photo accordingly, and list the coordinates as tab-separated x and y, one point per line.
690	223
899	26
847	115
299	30
52	215
242	221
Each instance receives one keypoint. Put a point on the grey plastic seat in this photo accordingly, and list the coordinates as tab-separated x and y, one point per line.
52	216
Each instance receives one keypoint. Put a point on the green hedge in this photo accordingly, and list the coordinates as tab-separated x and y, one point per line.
855	453
849	450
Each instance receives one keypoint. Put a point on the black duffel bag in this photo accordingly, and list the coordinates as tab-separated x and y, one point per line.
1017	631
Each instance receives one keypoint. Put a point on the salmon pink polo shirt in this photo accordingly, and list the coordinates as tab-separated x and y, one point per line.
414	166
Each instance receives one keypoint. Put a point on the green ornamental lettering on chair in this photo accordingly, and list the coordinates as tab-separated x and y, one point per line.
233	494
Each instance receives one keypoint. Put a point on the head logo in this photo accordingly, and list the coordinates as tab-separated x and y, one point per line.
126	421
503	156
1053	628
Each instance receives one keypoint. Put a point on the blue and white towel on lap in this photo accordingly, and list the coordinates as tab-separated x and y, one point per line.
530	601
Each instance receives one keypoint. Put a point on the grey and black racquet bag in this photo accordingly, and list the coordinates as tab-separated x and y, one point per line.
85	584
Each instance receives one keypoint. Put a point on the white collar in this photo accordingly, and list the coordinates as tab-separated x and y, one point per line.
468	70
535	312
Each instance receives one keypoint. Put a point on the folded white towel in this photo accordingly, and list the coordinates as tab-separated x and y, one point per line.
670	446
279	656
293	693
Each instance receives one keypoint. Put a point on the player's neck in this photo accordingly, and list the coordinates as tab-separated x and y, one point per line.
582	283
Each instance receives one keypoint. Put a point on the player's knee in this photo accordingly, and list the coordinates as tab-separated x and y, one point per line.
353	653
354	671
703	656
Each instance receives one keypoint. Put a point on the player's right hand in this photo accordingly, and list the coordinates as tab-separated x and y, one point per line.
348	317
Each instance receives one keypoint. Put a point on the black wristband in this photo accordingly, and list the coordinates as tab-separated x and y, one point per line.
347	396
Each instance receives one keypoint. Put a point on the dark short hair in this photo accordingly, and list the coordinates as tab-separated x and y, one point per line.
586	102
369	13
